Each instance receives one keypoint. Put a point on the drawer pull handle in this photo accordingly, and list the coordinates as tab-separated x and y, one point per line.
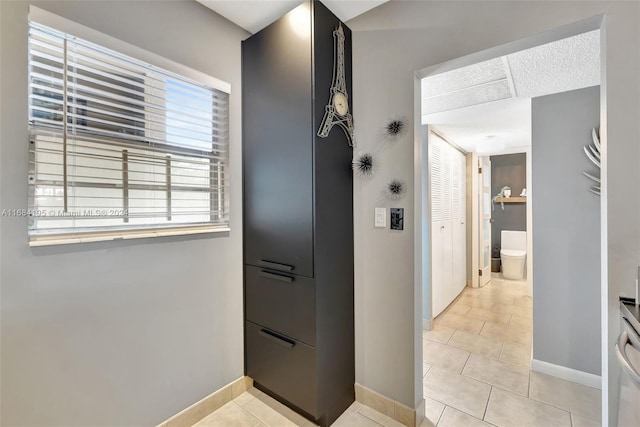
275	265
277	339
276	276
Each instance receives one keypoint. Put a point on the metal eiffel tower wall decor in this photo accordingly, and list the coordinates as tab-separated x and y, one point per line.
337	109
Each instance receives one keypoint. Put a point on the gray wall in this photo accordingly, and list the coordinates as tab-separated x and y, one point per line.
511	170
391	42
566	241
117	333
164	326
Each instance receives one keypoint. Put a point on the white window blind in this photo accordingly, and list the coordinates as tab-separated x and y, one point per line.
119	146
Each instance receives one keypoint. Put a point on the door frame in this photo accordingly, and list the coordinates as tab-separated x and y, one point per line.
422	214
479	218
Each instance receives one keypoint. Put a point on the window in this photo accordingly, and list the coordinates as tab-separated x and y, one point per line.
119	147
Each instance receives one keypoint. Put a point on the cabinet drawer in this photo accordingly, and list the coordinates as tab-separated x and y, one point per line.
283	302
282	365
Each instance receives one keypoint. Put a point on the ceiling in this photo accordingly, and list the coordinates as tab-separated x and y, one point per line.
498	127
254	15
486	107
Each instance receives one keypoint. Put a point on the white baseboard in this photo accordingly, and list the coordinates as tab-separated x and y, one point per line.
206	406
427	324
580	377
389	407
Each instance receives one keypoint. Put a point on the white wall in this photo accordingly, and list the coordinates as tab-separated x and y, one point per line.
117	333
390	43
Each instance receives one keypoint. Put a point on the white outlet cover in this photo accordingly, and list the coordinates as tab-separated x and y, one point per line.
380	218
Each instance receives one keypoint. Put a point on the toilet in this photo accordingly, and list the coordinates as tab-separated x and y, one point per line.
513	254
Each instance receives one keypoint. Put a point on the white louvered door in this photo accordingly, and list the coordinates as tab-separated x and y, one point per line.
438	281
447	223
448	217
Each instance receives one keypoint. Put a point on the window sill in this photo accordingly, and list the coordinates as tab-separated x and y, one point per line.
61	239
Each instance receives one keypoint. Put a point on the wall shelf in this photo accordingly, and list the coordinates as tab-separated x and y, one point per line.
511	199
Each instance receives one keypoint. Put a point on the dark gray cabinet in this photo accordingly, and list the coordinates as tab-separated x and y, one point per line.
298	217
278	149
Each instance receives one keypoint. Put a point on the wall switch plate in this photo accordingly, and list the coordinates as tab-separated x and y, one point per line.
380	218
397	218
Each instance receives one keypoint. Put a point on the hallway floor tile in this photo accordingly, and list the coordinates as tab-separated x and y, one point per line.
496	386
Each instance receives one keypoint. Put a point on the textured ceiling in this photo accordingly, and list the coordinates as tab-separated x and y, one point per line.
476	84
465	77
254	15
567	64
474	95
485	107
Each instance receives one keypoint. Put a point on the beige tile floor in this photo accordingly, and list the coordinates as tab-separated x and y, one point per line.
477	368
477	372
253	408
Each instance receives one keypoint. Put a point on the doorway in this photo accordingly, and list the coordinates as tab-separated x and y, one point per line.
480	239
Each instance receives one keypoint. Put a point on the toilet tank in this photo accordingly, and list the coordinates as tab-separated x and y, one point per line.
514	240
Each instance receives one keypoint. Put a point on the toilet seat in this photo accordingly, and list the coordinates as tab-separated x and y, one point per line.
513	253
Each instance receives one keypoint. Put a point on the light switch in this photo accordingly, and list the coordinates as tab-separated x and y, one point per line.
381	218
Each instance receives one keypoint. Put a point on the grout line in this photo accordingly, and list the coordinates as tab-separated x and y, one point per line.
245	403
465	364
486	406
439	416
256	418
451	336
510	318
572	414
428	369
492	385
481	329
501	351
537	401
499	359
364	415
556	407
457	409
437	401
